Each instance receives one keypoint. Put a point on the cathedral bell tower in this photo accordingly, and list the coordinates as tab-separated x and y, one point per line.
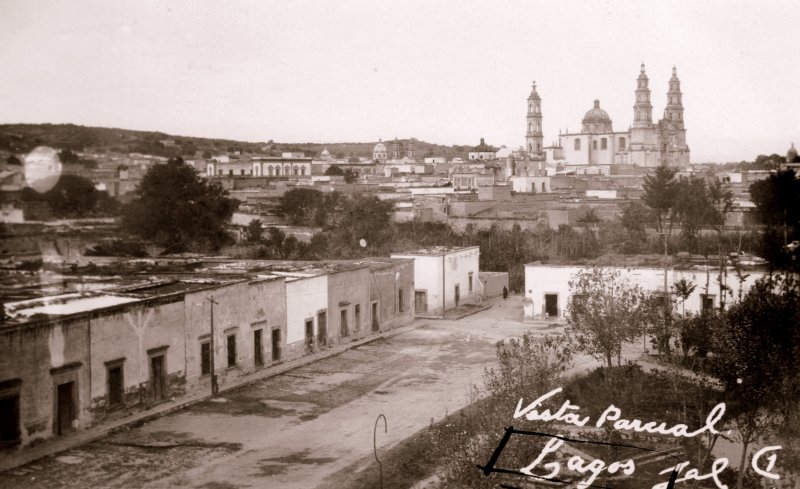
674	109
642	109
533	136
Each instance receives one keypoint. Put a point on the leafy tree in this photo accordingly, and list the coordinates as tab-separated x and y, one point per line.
68	156
691	208
365	217
284	247
777	200
605	311
633	220
254	231
178	209
660	193
350	176
335	170
301	206
72	196
756	349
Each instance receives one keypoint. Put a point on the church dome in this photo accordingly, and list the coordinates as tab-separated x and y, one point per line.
791	155
379	148
596	120
596	115
325	153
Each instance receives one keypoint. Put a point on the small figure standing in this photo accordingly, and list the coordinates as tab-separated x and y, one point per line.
505	292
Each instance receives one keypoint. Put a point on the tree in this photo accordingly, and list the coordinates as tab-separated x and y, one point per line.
756	348
67	156
178	209
777	200
284	247
72	196
605	311
334	170
254	232
301	206
350	176
660	192
365	217
683	289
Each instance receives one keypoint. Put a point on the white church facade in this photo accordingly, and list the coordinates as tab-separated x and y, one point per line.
645	143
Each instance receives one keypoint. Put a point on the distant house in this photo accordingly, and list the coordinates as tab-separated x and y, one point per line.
482	152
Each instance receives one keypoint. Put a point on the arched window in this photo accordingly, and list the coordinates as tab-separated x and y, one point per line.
621	143
296	171
277	170
577	145
303	171
530	108
603	143
594	144
257	170
286	170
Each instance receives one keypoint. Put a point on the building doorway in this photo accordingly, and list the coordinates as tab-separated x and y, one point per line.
158	378
375	324
258	347
420	301
322	328
457	294
276	344
551	305
65	407
9	420
309	335
344	329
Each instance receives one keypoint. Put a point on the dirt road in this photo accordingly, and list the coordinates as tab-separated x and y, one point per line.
296	429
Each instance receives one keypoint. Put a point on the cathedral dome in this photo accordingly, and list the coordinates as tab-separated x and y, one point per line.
791	155
596	115
596	120
379	148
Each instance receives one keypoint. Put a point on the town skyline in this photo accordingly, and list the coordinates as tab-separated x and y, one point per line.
432	72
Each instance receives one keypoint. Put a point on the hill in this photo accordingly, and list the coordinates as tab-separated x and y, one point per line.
22	138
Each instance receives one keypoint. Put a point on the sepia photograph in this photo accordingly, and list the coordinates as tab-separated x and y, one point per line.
402	244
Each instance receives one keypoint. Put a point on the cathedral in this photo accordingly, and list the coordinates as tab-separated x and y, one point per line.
645	143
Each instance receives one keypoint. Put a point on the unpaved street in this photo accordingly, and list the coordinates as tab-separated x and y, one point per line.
296	429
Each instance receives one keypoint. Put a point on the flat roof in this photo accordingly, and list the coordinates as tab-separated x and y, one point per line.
434	251
65	304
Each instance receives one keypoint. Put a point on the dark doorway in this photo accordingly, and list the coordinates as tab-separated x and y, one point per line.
420	301
309	335
276	344
345	331
65	408
322	329
258	347
231	350
375	324
9	420
551	305
205	358
116	386
458	294
158	378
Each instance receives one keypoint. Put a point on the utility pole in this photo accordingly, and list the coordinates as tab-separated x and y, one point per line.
444	302
214	386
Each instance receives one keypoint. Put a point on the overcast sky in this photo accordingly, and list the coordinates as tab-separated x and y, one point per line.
445	72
